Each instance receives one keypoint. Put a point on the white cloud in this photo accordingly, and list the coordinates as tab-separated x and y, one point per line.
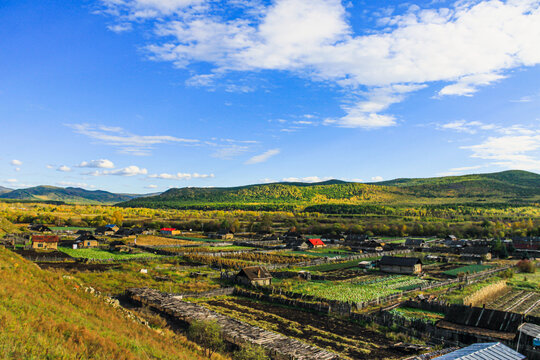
17	169
229	151
151	186
470	127
181	176
120	28
75	184
11	181
127	171
262	157
307	179
460	170
16	162
64	168
511	150
100	164
127	142
465	45
377	178
49	166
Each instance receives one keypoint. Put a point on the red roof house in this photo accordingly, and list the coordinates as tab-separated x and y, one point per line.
44	242
315	243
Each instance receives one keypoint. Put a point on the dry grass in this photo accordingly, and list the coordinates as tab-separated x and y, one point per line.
45	316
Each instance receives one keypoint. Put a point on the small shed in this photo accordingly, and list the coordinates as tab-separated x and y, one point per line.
400	265
315	243
483	351
365	264
299	245
44	242
254	275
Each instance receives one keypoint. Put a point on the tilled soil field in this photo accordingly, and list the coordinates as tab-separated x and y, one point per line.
518	301
349	339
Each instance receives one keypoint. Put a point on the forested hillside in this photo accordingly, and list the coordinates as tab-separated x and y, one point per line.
496	188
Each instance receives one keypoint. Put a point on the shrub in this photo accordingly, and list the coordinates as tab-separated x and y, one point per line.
526	266
207	334
250	352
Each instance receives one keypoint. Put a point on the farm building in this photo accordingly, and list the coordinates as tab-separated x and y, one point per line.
529	338
44	242
254	275
40	228
400	265
415	242
110	229
370	245
483	351
83	232
315	243
169	231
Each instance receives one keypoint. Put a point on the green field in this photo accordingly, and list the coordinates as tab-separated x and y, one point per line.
468	269
363	290
98	254
412	314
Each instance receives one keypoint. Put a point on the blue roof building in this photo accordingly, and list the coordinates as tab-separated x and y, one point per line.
483	351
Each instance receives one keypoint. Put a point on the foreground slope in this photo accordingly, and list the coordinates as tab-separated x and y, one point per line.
44	316
503	187
68	195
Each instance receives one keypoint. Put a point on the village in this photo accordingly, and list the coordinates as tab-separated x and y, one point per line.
300	296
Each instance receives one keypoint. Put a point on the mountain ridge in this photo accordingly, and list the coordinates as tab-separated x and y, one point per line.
506	186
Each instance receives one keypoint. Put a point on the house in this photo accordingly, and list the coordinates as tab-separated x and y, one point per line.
40	228
482	351
315	243
45	242
400	265
170	231
86	241
415	242
109	229
370	245
254	275
83	232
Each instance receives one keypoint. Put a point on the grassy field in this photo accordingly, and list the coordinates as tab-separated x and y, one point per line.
525	281
468	269
337	266
44	315
163	277
152	240
99	254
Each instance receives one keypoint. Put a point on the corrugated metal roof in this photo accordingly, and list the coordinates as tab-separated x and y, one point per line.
483	351
530	329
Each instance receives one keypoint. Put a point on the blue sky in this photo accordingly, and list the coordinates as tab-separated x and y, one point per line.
143	95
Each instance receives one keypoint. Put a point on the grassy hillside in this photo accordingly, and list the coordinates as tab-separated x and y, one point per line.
4	190
45	316
68	195
503	187
7	227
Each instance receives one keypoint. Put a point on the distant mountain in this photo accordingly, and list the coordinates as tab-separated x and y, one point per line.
502	187
68	195
4	190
